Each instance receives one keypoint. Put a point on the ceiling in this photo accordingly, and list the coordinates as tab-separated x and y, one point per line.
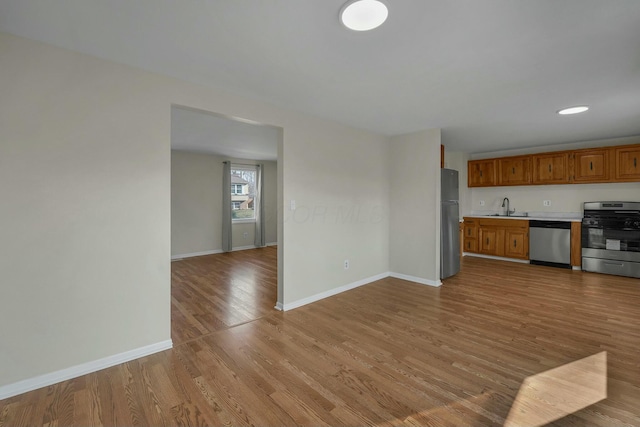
203	132
490	73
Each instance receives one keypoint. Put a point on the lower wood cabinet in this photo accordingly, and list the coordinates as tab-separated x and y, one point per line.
514	243
489	237
507	238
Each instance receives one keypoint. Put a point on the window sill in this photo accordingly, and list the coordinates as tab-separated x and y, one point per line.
242	221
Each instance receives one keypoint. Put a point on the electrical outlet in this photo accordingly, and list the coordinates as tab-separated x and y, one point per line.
546	202
245	235
481	202
293	205
346	264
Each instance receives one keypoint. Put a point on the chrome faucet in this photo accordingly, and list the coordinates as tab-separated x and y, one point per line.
506	200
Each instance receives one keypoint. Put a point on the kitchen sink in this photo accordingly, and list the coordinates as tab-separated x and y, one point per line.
524	215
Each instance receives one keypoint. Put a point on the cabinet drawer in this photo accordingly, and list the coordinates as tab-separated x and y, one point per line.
470	231
470	245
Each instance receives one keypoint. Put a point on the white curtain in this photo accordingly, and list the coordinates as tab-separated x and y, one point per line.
259	207
227	243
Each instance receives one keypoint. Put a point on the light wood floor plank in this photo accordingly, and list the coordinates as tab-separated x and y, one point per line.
389	353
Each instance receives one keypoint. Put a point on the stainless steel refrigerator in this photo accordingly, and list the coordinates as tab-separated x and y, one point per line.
449	224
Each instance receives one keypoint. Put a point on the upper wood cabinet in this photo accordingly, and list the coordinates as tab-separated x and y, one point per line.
514	170
591	165
627	163
550	168
482	173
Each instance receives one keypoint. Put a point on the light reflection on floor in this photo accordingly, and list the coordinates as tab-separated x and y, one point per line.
556	393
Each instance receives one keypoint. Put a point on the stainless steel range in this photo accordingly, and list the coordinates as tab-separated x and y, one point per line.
611	238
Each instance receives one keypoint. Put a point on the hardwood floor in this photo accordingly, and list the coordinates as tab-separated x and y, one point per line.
388	353
215	292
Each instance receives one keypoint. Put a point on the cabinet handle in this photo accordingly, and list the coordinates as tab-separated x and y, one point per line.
591	165
634	162
487	240
514	243
549	168
480	174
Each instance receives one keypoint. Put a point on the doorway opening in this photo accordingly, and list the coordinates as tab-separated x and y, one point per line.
213	289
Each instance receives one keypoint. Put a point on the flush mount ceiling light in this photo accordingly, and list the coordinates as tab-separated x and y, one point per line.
574	110
363	15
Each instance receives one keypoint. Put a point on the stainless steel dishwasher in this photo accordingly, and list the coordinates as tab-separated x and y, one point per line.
550	243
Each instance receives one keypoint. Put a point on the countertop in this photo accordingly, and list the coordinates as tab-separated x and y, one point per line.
535	216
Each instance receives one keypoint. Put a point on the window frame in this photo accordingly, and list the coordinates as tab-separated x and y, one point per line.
248	168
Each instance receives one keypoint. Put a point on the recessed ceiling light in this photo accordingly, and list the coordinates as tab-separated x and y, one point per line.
574	110
363	15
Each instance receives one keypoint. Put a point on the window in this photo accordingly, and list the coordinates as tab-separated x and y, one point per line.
243	190
236	188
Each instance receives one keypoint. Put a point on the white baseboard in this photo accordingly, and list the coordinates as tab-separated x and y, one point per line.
82	369
521	261
331	292
272	244
192	254
243	248
416	279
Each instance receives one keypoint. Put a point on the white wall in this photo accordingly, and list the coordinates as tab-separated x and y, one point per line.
271	202
415	206
339	179
85	190
196	204
196	199
564	198
84	222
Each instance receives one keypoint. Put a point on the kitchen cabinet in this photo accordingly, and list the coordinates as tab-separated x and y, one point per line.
497	237
514	243
627	163
489	237
576	244
481	173
550	168
470	235
591	165
514	170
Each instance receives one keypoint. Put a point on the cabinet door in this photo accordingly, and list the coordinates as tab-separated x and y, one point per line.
488	238
628	163
591	165
515	170
550	168
516	244
481	173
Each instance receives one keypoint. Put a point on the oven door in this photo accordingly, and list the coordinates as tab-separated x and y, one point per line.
610	239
